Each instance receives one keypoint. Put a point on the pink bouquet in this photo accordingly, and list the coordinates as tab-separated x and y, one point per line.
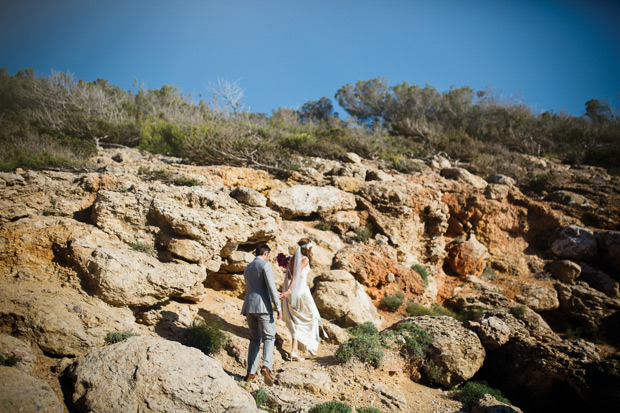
283	260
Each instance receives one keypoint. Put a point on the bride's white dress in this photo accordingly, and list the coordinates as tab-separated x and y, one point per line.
303	320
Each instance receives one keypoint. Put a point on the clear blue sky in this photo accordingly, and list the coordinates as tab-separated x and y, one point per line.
551	55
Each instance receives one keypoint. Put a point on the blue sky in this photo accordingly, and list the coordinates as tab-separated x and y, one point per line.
551	55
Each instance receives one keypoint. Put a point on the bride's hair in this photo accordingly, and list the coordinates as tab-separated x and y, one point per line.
306	248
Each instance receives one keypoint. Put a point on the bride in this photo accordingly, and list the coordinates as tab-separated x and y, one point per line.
299	311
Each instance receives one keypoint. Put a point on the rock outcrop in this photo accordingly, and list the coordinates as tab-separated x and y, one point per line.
20	392
147	373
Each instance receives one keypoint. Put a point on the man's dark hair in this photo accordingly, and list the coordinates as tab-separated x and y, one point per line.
261	249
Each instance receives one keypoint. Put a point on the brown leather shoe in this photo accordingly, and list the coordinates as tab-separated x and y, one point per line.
267	376
250	378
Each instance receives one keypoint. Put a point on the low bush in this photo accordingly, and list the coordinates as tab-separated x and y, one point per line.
367	410
185	181
518	311
415	310
142	247
331	407
473	390
10	361
363	234
417	340
420	269
323	226
365	346
204	335
393	302
261	396
117	337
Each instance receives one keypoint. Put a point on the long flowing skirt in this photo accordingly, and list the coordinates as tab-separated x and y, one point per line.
303	320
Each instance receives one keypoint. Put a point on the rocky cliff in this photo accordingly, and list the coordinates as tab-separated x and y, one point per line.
147	244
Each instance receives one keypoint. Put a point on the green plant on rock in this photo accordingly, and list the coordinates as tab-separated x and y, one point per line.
261	396
363	234
365	346
393	302
367	410
116	336
10	361
420	269
415	310
142	247
185	181
518	311
204	335
471	391
331	407
323	226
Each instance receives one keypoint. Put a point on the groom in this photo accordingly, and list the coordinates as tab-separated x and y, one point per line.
261	291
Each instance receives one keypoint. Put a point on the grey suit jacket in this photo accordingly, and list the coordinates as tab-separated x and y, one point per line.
260	288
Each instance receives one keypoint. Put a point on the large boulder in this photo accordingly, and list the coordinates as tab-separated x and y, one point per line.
61	322
152	374
305	200
585	304
538	297
456	351
248	196
339	297
565	270
123	276
20	392
467	257
575	243
315	381
599	280
11	346
464	176
374	266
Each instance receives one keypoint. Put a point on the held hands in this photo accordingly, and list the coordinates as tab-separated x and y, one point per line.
285	294
279	314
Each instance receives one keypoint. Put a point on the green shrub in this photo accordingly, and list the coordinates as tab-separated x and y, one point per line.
469	313
420	269
367	410
363	329
10	361
323	226
365	346
158	174
540	182
417	340
489	273
117	337
415	310
142	247
261	396
393	302
518	311
185	181
471	391
204	335
331	407
363	234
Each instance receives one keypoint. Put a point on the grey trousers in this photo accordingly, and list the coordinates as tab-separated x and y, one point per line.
262	328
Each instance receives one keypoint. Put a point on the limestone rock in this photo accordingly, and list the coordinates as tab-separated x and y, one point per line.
493	332
501	179
335	334
580	349
187	249
60	321
10	346
351	157
348	183
20	392
313	380
538	297
599	280
249	196
465	176
305	200
565	270
585	304
372	264
339	297
237	261
575	243
378	175
566	198
152	374
467	258
489	404
496	192
124	277
457	351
